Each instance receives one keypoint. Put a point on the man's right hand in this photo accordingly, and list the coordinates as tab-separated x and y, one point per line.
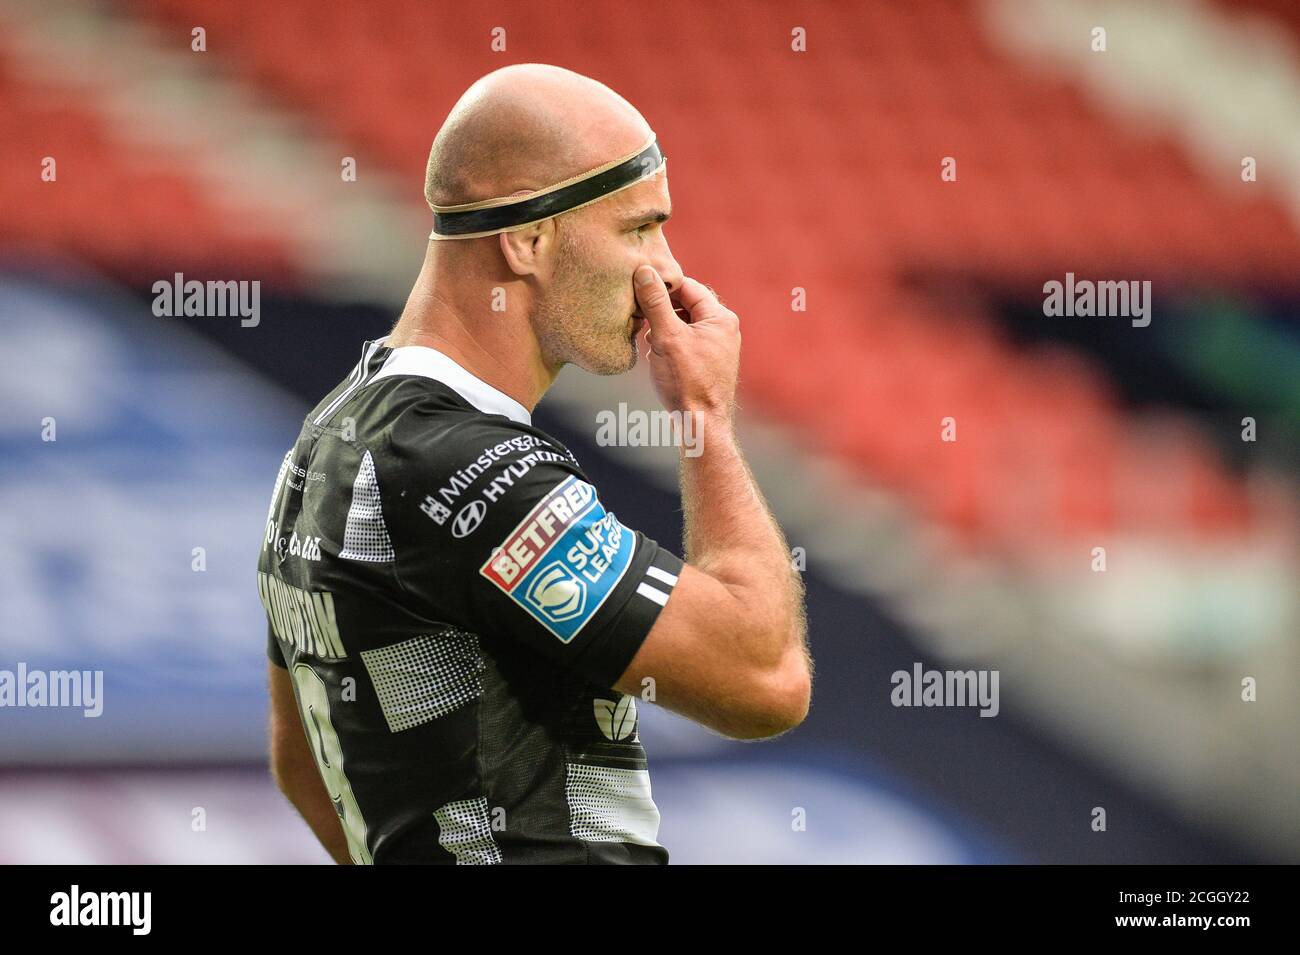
694	365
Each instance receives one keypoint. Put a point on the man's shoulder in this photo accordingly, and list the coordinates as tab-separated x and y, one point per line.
450	460
430	430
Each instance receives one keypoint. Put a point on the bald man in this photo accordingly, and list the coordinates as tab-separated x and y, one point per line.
459	631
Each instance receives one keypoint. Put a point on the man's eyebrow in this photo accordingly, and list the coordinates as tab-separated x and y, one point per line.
648	215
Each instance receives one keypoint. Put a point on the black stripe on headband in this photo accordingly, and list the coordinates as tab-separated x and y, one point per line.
534	208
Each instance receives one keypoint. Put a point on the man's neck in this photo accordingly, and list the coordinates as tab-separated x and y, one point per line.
498	349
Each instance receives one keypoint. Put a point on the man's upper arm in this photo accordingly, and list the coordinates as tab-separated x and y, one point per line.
288	742
273	651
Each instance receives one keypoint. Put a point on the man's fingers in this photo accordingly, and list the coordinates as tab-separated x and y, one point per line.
656	306
654	299
693	294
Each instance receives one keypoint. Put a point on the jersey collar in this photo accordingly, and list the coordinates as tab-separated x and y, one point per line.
431	363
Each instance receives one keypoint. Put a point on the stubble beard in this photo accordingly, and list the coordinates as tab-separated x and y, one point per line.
579	321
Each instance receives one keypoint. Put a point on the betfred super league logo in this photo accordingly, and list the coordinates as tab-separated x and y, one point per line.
564	559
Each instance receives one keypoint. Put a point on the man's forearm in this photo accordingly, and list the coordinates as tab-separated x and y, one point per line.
730	534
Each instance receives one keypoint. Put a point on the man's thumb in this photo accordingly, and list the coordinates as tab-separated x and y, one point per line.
652	296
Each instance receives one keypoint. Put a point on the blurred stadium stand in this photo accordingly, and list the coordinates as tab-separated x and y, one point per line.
817	171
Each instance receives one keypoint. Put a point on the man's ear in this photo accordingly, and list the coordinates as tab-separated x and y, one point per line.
529	251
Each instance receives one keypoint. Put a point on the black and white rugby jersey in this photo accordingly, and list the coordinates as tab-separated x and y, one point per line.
453	603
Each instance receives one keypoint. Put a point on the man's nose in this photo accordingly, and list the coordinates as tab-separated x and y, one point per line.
661	259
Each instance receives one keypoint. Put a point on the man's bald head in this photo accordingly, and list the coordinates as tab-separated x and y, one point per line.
558	288
525	127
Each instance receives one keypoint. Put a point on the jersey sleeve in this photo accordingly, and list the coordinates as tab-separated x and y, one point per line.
273	651
517	543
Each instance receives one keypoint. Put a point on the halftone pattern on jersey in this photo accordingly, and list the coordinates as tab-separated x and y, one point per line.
465	830
421	679
611	805
366	537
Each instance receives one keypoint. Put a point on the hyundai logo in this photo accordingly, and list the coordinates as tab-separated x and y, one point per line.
469	518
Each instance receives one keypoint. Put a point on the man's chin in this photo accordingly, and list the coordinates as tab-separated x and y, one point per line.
607	365
611	369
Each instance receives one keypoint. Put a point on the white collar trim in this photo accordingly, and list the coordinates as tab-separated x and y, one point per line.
431	363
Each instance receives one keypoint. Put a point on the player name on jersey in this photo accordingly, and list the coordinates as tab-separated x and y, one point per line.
303	619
